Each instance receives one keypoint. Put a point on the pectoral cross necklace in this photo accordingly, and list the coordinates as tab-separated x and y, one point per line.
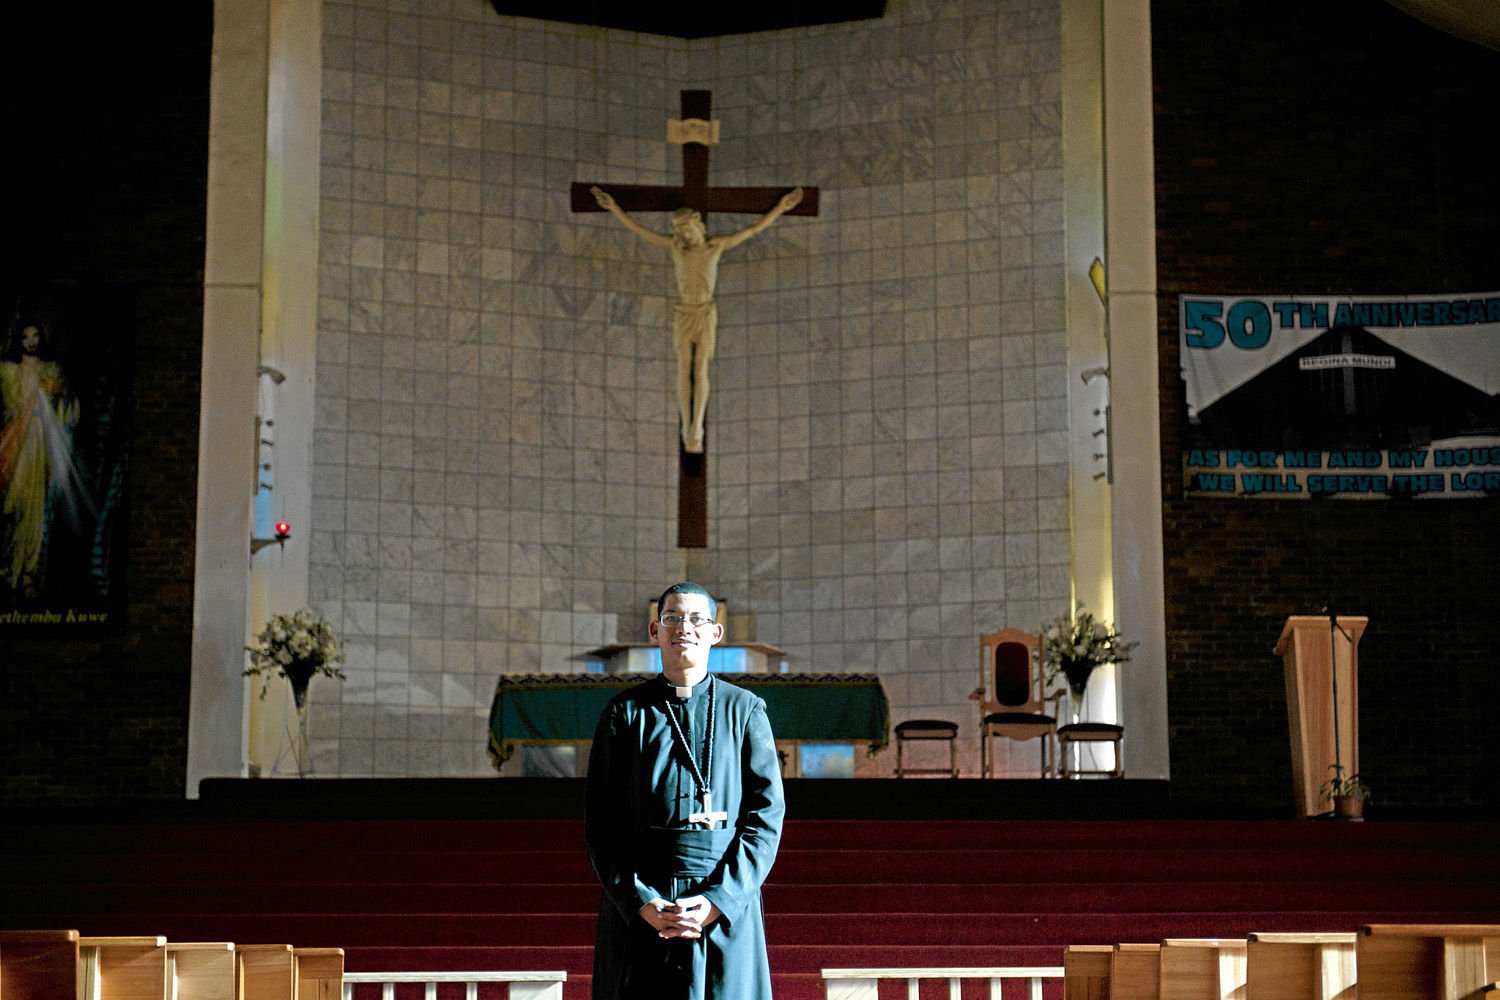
705	817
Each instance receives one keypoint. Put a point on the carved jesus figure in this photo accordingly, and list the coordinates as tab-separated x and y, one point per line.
695	324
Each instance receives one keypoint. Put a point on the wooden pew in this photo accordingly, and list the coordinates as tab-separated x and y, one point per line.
265	971
1202	969
1300	967
1427	961
61	965
123	968
1135	972
38	965
1086	971
201	970
320	973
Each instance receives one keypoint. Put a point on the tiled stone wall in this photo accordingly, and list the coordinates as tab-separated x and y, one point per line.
495	448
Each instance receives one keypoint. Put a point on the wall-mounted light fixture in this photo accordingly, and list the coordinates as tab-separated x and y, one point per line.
283	532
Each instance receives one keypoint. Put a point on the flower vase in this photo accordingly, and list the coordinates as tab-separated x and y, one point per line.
299	736
1077	673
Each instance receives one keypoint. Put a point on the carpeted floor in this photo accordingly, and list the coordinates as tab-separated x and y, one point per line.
931	873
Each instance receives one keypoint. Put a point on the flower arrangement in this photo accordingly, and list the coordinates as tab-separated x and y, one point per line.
1074	646
298	646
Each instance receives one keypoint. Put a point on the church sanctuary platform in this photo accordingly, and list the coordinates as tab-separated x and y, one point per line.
433	875
807	798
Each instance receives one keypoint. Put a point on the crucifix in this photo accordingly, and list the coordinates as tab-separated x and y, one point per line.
695	258
706	818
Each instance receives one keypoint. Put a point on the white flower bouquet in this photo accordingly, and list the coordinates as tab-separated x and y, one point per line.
298	646
1074	645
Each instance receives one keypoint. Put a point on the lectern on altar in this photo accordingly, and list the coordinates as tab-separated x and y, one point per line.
1320	654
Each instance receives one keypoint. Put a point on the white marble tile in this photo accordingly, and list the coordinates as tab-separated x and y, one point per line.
460	260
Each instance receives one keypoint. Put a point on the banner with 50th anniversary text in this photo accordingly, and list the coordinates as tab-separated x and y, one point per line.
1369	397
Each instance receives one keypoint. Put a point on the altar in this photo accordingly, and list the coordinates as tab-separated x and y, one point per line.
804	709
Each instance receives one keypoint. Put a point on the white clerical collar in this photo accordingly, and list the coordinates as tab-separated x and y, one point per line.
683	692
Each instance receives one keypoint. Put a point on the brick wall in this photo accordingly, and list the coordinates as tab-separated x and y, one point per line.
107	113
1323	148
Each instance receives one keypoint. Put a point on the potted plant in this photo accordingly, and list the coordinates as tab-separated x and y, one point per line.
1347	795
297	646
1074	645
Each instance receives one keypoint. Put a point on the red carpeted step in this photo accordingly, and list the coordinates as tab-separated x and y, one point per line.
1122	864
1063	835
231	896
805	958
293	835
866	865
350	865
311	838
1362	890
1218	896
501	835
811	851
418	958
498	894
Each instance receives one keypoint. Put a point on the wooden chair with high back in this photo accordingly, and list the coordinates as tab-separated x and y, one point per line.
1011	702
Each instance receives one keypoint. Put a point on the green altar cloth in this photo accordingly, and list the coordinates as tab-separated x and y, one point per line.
563	708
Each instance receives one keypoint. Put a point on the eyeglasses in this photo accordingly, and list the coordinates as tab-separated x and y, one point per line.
691	621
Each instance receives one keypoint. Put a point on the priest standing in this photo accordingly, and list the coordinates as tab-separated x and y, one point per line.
682	819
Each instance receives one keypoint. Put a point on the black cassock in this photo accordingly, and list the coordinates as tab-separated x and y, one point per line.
641	791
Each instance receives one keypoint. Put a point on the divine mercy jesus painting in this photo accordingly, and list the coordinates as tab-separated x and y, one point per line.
62	461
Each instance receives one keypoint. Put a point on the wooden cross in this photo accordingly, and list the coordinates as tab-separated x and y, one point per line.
706	818
695	132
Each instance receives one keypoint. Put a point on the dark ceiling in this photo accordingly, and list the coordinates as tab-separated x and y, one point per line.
703	20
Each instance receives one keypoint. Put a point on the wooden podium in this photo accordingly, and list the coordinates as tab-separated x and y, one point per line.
1313	653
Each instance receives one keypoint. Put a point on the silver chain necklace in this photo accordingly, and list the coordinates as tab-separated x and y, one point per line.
706	817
